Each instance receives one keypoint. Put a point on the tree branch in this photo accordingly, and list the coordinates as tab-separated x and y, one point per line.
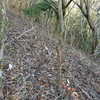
81	8
53	5
67	4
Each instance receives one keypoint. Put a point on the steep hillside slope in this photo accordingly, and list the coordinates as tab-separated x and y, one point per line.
31	51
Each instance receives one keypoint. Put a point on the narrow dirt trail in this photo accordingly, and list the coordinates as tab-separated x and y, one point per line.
33	75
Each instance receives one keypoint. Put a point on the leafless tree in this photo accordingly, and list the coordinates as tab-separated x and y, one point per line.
84	6
2	35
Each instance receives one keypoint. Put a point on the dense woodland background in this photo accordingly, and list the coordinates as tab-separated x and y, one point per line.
50	49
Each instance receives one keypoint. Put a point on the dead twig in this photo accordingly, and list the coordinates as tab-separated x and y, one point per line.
90	56
86	94
58	97
21	34
25	32
61	96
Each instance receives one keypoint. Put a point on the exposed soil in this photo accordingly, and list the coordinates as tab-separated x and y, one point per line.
33	57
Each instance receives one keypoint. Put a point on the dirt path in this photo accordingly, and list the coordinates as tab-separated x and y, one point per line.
32	55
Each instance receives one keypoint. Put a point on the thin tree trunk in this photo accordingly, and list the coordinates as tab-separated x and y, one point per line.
86	12
59	65
94	34
2	35
95	41
61	27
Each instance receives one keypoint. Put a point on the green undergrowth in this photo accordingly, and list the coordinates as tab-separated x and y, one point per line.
36	9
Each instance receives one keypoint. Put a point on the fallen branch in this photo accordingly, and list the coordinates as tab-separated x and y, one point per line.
25	32
21	35
61	96
58	97
90	56
86	94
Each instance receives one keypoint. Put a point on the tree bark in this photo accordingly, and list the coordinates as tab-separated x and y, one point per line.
2	35
94	34
86	12
61	31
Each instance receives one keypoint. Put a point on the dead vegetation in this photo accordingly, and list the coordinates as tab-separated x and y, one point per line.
30	66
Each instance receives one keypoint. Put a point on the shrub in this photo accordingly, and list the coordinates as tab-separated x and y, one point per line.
36	9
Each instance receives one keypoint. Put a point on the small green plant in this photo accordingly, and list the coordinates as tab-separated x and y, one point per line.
36	9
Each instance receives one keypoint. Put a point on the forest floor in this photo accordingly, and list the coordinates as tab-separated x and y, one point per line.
30	66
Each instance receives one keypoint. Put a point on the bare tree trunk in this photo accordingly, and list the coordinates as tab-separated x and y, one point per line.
95	41
94	34
61	31
2	35
61	16
85	9
98	35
